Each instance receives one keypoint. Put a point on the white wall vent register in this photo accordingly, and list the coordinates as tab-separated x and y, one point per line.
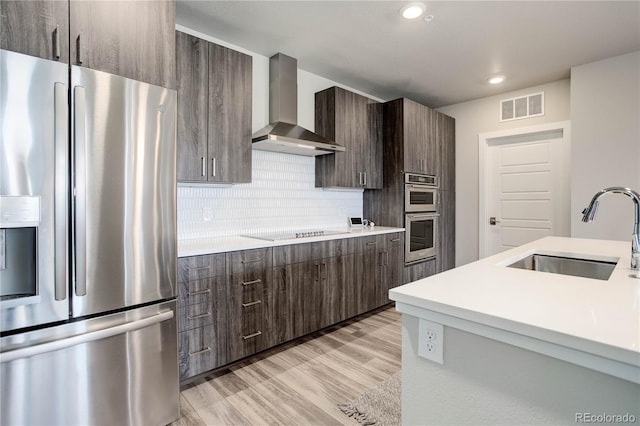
522	107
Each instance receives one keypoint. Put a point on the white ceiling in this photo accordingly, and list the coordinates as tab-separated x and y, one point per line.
367	45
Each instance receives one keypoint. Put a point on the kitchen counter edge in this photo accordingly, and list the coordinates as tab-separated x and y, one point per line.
547	309
203	246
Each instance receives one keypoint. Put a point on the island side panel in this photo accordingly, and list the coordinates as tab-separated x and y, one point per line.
484	381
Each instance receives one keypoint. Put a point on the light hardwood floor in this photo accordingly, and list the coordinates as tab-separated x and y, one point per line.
301	382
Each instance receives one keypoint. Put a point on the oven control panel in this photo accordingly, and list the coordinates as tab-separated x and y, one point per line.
428	180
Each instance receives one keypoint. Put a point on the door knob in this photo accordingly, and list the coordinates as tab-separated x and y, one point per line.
493	221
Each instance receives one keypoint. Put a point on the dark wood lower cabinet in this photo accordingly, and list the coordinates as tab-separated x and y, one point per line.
392	265
200	350
419	270
203	329
264	300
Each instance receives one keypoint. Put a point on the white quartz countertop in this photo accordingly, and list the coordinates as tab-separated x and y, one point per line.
196	247
594	316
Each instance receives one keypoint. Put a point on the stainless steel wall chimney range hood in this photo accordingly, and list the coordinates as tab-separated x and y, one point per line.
283	134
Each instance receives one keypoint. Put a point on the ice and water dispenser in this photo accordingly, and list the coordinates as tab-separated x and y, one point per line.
19	222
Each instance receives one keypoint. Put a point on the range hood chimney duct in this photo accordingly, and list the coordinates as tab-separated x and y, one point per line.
284	134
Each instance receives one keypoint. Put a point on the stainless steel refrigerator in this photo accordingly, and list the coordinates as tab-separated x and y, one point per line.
87	247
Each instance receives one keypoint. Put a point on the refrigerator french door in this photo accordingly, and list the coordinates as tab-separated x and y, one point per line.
33	191
88	179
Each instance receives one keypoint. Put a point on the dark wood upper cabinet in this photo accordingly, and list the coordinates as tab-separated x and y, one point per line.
192	83
229	138
355	122
36	28
133	39
446	140
410	129
214	112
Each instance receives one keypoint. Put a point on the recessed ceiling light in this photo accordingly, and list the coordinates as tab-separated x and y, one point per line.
497	79
413	10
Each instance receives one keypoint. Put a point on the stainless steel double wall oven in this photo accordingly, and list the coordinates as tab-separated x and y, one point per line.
421	217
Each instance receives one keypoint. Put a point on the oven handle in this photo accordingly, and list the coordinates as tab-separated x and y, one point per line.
421	186
422	215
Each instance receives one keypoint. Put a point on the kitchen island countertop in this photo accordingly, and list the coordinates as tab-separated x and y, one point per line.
595	318
196	247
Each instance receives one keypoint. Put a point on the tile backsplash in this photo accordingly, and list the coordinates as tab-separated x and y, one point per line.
281	196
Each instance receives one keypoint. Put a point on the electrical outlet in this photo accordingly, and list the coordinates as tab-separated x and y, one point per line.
431	335
206	214
431	341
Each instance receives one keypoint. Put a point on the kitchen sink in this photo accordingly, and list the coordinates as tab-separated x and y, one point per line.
578	267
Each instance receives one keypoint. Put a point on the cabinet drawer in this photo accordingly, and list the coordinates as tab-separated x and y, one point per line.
200	350
366	243
393	240
248	264
200	291
418	271
193	316
246	329
297	253
248	290
199	267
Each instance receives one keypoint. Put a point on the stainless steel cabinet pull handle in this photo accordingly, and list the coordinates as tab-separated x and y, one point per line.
326	271
213	166
56	43
193	293
191	317
255	302
395	240
201	351
61	187
197	268
252	260
386	263
203	166
365	178
317	272
245	283
256	334
78	51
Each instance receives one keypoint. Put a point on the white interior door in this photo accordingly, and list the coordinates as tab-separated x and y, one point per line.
527	189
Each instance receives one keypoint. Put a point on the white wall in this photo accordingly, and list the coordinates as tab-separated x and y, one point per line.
282	194
605	125
482	116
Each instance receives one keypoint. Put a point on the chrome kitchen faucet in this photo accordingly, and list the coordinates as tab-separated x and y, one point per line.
590	213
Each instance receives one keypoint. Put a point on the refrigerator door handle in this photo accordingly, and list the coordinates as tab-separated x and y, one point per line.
61	190
80	178
85	338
